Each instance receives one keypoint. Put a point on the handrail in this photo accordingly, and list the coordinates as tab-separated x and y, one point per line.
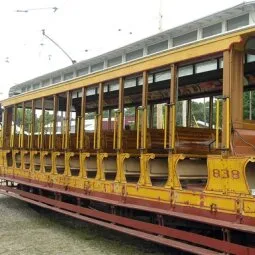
226	101
2	135
138	126
63	132
66	132
21	136
95	132
173	113
169	108
38	138
165	125
29	139
82	133
51	135
115	129
217	123
120	126
11	138
78	132
99	120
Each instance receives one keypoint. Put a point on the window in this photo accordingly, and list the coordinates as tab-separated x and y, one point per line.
186	38
134	54
157	47
200	112
162	76
114	61
82	71
181	113
221	63
97	67
114	86
130	83
212	30
36	86
185	70
206	66
56	79
248	105
250	58
46	82
238	22
90	91
68	76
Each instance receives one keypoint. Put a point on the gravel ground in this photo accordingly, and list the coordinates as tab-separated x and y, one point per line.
26	231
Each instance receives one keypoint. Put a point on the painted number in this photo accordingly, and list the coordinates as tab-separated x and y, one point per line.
224	174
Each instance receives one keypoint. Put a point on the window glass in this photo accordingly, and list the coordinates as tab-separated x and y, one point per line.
114	61
90	91
221	63
157	47
46	82
162	76
249	105
250	58
129	118
186	38
206	66
56	79
212	30
130	83
181	113
185	70
134	54
97	67
238	22
200	112
158	116
83	71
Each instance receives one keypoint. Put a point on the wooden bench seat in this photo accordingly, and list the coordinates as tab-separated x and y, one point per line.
194	140
188	141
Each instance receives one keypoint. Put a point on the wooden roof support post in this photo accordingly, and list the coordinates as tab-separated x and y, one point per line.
55	120
82	122
23	125
226	94
68	109
237	77
32	144
211	112
232	94
99	116
145	157
14	126
120	114
172	112
144	112
42	124
7	126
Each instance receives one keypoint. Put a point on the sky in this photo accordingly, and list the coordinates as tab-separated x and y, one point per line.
83	28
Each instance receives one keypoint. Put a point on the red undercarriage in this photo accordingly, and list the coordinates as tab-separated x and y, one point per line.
130	215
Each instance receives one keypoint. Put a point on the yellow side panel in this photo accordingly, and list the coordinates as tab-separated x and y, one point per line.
227	175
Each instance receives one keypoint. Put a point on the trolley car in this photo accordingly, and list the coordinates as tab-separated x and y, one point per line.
126	148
